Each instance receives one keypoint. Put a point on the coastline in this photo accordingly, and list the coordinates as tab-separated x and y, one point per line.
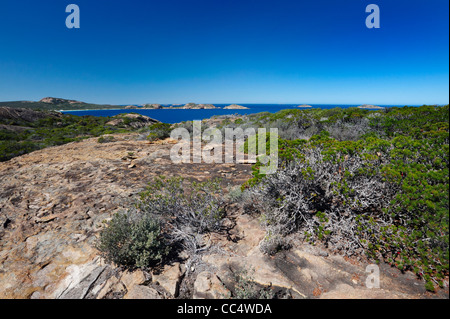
138	109
84	110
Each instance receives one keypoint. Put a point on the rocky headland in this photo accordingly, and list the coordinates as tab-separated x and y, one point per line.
56	101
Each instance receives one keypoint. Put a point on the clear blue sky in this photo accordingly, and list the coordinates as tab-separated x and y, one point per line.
226	51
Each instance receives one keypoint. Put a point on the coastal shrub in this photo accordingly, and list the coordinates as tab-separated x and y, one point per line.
430	286
189	211
133	240
159	131
106	139
235	194
247	288
188	125
169	213
51	131
384	195
11	148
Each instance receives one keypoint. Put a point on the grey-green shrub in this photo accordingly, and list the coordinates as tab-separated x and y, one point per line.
247	288
106	139
132	240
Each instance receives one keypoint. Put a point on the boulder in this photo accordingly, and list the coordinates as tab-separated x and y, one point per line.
142	292
209	286
170	278
134	278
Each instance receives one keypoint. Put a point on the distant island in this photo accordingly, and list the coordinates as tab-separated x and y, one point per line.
235	107
190	106
199	106
151	106
371	107
60	104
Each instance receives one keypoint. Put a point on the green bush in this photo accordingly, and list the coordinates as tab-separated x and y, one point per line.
385	195
51	131
137	239
159	131
247	288
133	240
430	286
198	207
106	139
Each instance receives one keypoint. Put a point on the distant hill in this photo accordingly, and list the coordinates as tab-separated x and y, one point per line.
56	104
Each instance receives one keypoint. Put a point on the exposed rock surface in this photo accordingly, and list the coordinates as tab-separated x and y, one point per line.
305	271
208	286
142	292
53	203
170	278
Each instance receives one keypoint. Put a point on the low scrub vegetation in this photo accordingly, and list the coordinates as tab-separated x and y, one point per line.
51	131
384	194
158	131
247	288
168	214
361	183
132	239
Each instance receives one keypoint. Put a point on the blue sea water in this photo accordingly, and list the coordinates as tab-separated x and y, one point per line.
179	115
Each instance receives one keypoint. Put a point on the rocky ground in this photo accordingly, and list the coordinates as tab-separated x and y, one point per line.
53	203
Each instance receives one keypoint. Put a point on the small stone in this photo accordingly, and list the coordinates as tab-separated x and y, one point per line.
134	278
142	292
209	286
108	287
170	278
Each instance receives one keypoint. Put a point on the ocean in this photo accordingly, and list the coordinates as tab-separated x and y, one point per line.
179	115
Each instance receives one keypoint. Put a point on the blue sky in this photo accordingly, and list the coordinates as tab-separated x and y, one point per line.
226	51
